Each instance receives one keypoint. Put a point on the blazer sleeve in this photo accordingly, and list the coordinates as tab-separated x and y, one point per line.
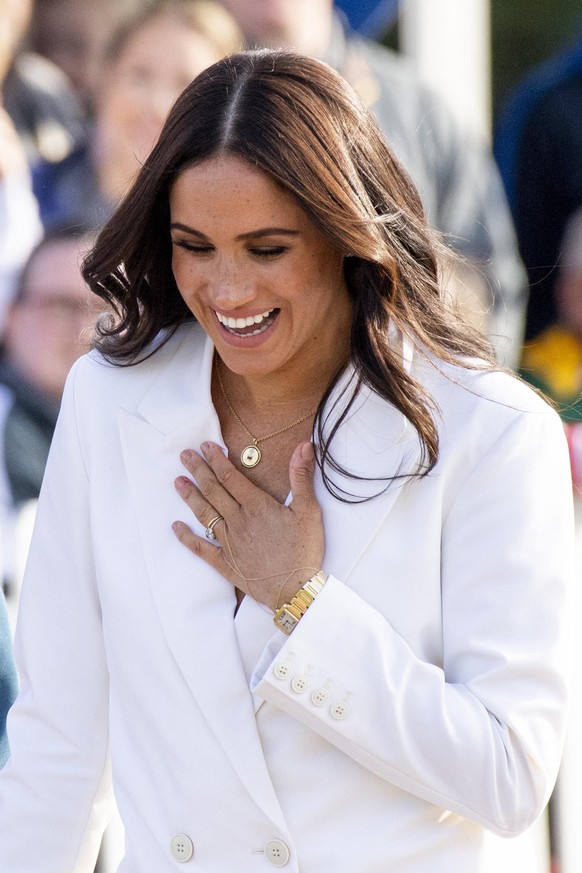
55	788
481	733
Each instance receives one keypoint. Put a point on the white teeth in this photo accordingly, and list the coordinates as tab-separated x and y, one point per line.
239	323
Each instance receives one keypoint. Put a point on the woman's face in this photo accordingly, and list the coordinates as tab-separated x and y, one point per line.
155	65
263	282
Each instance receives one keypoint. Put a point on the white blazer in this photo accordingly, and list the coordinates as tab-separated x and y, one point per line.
420	702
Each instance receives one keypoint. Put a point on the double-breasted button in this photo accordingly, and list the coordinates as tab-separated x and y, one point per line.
282	670
182	848
320	696
299	683
277	852
340	710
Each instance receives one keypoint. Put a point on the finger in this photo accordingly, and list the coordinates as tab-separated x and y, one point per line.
204	511
232	480
301	475
198	546
211	489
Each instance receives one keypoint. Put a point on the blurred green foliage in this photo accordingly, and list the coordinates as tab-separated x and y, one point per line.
526	32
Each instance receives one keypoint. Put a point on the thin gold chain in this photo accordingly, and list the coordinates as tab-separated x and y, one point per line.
256	440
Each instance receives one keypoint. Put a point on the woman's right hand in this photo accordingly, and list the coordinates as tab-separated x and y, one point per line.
266	549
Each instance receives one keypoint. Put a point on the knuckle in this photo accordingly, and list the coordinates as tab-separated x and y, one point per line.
187	538
195	545
210	489
225	476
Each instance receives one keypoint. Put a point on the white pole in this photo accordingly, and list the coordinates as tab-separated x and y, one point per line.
449	43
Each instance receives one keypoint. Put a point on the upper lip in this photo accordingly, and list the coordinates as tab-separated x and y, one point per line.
243	320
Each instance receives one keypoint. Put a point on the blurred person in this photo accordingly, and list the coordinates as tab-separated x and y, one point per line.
456	175
292	489
36	94
8	682
552	361
148	62
538	145
20	227
48	326
73	35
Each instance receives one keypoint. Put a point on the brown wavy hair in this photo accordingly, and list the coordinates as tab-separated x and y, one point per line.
297	120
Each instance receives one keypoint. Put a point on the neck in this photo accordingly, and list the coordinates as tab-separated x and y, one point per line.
276	394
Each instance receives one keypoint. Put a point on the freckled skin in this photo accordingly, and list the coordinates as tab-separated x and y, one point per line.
243	246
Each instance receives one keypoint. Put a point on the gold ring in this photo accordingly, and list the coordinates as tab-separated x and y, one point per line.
209	532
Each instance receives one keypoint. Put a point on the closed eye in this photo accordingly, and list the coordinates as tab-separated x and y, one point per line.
268	251
192	247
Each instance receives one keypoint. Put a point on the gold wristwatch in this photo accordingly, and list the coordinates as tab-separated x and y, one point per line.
287	616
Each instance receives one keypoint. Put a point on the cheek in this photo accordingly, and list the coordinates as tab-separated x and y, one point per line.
188	280
179	270
116	121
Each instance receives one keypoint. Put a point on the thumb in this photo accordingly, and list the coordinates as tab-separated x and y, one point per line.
301	472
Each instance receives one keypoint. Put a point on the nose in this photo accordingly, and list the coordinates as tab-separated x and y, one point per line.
232	288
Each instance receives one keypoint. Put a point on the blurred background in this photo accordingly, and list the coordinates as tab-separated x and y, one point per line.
523	33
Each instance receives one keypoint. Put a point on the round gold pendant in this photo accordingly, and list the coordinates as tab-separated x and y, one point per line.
250	456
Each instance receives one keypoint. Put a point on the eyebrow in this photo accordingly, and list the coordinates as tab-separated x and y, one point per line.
252	234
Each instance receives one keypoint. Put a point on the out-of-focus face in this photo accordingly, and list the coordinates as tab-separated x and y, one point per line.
72	35
51	325
276	23
154	67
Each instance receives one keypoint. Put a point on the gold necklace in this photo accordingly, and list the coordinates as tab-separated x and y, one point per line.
251	455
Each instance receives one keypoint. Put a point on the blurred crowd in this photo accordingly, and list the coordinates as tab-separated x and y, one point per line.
85	86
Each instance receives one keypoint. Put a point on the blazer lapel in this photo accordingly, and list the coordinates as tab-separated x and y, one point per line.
195	604
376	442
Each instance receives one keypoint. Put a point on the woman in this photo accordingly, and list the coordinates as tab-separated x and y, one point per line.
344	654
150	58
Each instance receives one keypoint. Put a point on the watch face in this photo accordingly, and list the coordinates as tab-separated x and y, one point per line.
286	621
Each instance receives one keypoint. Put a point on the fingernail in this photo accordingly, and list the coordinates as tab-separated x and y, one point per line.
206	447
186	455
182	483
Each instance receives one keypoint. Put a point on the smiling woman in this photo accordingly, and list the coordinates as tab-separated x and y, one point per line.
291	488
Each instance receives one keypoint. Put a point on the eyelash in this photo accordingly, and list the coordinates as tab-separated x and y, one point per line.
263	252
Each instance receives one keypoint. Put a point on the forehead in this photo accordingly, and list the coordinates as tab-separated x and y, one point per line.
167	39
229	188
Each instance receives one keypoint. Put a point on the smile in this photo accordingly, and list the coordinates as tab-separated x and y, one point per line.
250	326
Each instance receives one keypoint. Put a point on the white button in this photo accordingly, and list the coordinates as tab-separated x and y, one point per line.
319	697
282	670
340	710
182	848
299	684
277	852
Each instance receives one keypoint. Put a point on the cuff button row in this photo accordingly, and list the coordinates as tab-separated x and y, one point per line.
319	696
